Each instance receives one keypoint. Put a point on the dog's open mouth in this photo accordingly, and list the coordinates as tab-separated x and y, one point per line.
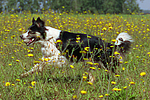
31	40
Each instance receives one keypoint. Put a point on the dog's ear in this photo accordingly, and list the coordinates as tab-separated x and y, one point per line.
33	21
39	22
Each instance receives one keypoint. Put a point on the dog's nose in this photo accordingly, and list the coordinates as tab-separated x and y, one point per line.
21	36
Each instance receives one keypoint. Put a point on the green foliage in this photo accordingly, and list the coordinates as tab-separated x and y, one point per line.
92	6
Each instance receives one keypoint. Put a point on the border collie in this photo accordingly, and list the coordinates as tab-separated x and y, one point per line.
58	47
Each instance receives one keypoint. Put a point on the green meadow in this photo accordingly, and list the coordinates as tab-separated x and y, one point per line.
132	80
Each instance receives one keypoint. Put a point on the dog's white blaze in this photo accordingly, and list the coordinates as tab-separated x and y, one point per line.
25	34
52	32
125	37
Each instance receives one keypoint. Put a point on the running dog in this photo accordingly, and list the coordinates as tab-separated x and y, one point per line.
59	47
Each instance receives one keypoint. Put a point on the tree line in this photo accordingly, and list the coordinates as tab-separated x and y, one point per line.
80	6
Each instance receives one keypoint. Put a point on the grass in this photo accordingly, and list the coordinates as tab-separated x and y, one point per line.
72	82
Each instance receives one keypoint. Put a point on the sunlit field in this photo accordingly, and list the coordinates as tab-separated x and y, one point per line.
132	80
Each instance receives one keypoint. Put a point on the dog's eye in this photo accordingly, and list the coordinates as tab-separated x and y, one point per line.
120	39
31	32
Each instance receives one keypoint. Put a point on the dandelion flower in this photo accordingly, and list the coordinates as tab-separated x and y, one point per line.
106	94
71	66
101	96
74	96
142	73
90	83
83	92
18	80
7	83
33	83
30	55
113	82
132	83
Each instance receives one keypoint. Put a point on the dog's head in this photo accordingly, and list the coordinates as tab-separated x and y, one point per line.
35	32
123	41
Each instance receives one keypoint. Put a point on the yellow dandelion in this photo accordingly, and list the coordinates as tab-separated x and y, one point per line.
58	41
113	82
123	68
125	87
84	77
71	66
30	55
116	89
92	68
142	73
86	48
113	40
13	84
132	83
90	83
90	63
83	92
17	60
106	94
117	75
101	96
7	83
74	96
10	64
33	83
116	53
18	80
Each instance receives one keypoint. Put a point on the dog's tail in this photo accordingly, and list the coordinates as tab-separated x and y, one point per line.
123	42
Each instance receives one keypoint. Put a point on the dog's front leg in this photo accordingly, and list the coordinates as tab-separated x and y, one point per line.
38	67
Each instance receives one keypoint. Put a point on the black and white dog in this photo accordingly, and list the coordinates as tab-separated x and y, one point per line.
59	46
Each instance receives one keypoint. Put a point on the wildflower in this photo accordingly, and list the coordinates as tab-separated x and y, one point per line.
71	66
10	64
7	83
117	75
92	68
30	55
101	96
84	77
106	94
116	89
74	96
123	68
13	84
142	73
113	82
116	53
18	80
114	40
90	63
132	83
125	87
83	92
86	48
17	60
58	41
33	83
90	83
